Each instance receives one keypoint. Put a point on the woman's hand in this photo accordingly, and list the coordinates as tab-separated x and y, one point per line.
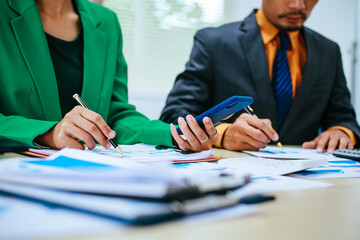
80	124
194	137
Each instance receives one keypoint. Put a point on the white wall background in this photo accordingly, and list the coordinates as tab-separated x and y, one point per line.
337	20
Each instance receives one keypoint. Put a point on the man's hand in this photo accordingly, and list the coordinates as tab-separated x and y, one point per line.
249	133
330	139
194	138
80	124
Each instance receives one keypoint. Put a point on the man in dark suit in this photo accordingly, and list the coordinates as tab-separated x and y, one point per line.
294	74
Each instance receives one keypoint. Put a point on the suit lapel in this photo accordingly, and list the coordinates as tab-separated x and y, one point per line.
30	37
253	47
95	42
307	81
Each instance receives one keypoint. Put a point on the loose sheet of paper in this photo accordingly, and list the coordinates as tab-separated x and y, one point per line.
287	153
336	168
261	183
141	153
147	153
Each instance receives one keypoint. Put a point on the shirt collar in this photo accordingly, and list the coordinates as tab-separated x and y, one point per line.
269	31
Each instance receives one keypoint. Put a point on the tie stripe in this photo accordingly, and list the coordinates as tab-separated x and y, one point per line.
281	82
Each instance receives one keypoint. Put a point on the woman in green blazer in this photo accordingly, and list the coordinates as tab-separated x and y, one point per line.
51	49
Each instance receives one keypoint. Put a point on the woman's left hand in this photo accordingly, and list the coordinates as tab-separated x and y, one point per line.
194	137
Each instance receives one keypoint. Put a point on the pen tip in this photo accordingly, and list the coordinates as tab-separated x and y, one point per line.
280	145
119	150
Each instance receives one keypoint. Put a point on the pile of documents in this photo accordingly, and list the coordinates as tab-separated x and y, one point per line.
121	189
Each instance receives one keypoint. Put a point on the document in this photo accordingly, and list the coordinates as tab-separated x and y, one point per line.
123	209
336	168
22	219
261	183
88	172
287	153
143	153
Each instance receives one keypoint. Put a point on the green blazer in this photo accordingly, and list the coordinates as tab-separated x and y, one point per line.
29	101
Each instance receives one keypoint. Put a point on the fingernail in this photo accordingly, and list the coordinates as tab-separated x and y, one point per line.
206	119
112	134
275	137
181	120
319	149
188	118
108	145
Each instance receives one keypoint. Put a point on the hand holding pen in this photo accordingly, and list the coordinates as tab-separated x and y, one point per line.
248	132
80	124
250	111
110	135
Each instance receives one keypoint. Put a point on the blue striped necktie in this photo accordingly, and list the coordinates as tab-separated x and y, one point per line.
281	82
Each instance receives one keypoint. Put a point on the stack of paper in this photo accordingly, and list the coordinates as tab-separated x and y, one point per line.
96	183
143	153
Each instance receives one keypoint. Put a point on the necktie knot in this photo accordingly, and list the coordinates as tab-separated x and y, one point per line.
284	40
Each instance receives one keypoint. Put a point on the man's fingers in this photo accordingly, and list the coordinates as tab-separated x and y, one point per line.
249	147
257	135
344	142
254	142
323	141
309	145
333	143
263	125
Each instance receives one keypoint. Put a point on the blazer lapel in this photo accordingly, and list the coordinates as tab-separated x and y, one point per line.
254	50
307	81
30	36
95	42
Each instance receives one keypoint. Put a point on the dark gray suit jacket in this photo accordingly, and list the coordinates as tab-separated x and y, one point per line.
230	60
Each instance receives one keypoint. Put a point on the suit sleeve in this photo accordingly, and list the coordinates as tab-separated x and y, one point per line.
193	87
339	111
131	126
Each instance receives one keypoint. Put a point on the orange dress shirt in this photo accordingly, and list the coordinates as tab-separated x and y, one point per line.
297	59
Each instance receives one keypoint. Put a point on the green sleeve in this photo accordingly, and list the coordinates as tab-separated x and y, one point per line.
131	126
23	129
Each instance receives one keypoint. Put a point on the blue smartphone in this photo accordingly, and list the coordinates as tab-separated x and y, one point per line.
223	110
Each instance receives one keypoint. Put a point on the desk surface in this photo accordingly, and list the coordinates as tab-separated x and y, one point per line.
322	213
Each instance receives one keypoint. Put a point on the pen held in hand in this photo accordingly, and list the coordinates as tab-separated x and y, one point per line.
83	104
250	111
